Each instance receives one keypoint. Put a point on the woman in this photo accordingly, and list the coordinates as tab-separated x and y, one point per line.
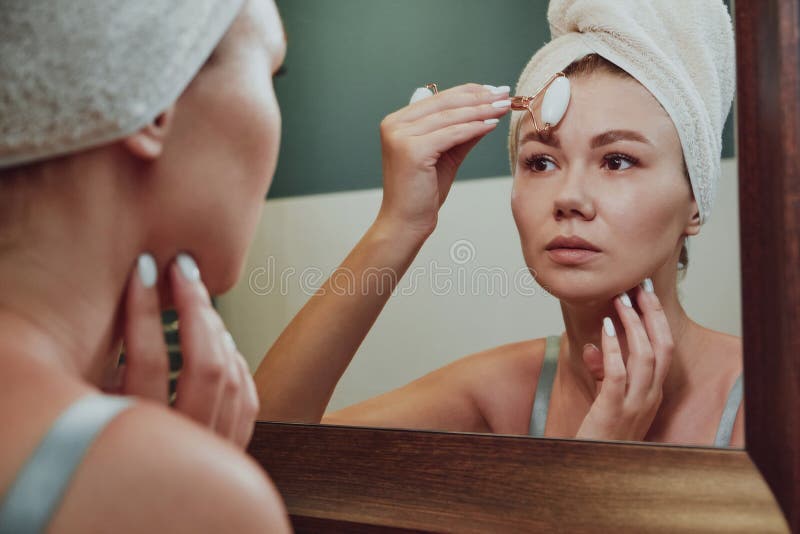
625	174
138	142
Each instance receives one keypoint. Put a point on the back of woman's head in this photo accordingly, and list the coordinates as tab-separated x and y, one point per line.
163	111
82	73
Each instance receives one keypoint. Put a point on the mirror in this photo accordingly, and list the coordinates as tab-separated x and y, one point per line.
351	63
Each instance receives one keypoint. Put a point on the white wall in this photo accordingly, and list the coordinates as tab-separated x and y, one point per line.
424	330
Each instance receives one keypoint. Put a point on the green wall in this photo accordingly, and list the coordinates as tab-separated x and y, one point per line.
351	62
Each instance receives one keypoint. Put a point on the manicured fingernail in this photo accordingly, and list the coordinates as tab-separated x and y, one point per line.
500	90
420	94
590	346
146	267
501	104
647	285
489	87
626	300
188	267
230	344
491	121
608	326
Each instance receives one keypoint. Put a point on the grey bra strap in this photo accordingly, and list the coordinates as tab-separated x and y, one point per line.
545	386
728	418
39	487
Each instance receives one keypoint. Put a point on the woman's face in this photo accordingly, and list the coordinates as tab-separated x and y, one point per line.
222	149
611	174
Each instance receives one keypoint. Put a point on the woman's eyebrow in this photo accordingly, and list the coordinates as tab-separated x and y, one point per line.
611	136
605	138
551	140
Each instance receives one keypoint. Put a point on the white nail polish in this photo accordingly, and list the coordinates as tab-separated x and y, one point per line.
500	90
491	121
626	300
188	267
227	339
489	87
647	285
420	93
146	268
501	104
608	326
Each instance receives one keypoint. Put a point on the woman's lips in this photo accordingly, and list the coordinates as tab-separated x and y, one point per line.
571	250
571	256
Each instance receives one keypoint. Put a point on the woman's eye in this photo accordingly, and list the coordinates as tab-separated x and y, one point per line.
540	164
618	162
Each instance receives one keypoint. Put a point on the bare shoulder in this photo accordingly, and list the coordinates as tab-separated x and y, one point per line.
152	470
723	354
729	352
502	381
518	357
498	365
722	344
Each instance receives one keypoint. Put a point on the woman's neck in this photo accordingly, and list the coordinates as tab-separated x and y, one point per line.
64	275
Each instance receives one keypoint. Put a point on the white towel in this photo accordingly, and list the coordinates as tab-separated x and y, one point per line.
682	51
79	73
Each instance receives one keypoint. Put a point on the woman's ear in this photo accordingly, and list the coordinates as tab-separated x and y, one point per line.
148	142
693	224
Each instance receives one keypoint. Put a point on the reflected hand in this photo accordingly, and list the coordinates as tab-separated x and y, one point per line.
423	146
629	395
215	387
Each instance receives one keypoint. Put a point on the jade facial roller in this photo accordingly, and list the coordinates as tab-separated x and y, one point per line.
554	103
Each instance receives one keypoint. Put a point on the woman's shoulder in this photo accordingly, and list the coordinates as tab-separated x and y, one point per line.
502	380
147	458
528	353
186	478
723	348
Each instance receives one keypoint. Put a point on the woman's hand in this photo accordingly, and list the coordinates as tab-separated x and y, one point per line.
631	393
215	387
424	144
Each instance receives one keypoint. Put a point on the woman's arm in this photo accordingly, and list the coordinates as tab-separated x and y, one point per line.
297	377
423	146
489	391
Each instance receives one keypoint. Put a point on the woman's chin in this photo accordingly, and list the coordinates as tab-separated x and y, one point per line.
583	293
224	281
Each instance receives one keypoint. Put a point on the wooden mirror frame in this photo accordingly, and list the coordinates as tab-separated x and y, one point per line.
346	479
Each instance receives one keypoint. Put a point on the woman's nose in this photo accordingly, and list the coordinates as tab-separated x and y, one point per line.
573	199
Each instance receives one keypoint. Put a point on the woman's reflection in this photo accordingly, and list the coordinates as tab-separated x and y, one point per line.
604	201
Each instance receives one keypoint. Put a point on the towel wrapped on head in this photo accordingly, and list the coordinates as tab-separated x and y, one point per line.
80	73
682	51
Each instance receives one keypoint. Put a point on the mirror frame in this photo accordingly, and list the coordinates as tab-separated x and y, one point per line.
349	479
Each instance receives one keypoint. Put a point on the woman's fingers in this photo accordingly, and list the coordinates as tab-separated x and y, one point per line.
215	387
593	359
615	377
249	406
470	94
146	360
443	140
230	405
448	117
658	330
630	392
641	358
205	366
